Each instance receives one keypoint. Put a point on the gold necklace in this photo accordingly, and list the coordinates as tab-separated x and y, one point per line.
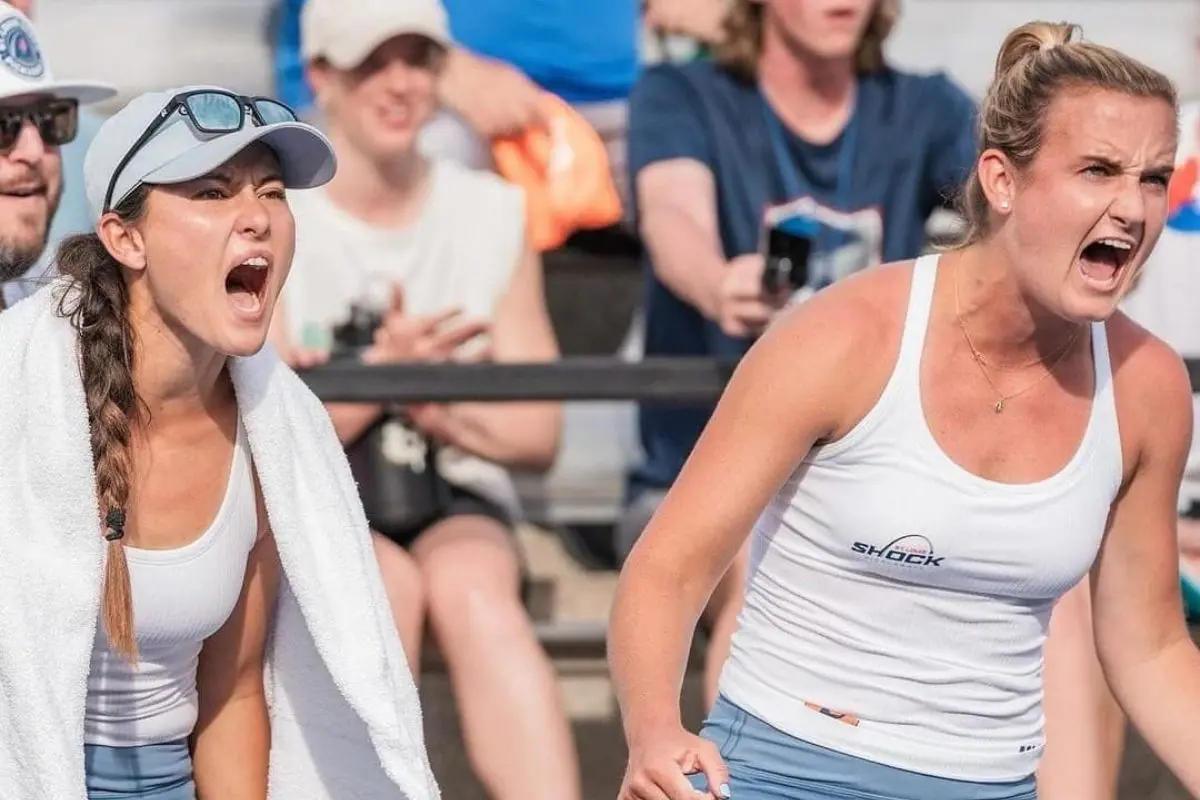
982	363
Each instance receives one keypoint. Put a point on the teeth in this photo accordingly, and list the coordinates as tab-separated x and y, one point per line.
257	261
1117	243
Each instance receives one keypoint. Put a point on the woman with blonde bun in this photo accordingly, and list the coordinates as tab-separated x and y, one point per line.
1005	433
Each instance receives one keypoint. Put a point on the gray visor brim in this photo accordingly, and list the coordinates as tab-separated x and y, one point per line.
305	155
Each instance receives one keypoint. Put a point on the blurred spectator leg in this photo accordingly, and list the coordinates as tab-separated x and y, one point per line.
406	595
513	721
1085	729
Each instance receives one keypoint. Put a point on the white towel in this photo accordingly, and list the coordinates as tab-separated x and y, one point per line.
344	711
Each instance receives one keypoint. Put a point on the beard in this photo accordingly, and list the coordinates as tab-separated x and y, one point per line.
16	258
20	251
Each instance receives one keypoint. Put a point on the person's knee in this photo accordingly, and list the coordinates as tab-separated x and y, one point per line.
473	583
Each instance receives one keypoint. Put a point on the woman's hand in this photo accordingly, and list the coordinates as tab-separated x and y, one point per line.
659	762
402	337
302	358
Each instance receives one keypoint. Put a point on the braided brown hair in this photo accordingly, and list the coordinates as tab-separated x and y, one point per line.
97	302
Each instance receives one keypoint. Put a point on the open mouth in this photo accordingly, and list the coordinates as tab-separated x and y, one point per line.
1103	260
246	284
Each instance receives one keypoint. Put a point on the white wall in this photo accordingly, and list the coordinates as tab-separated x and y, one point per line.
149	44
964	36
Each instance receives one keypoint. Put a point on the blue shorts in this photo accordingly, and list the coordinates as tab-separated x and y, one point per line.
767	764
149	772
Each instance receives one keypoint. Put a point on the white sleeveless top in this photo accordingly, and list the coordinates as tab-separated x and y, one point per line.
459	252
180	598
897	604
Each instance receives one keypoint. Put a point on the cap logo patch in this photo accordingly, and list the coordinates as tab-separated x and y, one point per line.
18	49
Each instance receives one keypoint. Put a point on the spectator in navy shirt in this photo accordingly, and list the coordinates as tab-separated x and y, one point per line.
798	102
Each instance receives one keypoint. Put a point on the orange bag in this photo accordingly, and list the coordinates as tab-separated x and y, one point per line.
563	168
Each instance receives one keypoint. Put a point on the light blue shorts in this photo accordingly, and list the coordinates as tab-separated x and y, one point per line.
149	772
767	764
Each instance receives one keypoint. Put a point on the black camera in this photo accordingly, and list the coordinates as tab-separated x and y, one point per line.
785	260
356	334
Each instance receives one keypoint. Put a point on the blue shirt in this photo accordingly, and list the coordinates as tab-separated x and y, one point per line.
914	145
581	50
291	85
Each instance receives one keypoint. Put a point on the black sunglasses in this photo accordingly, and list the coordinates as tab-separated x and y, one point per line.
56	120
210	111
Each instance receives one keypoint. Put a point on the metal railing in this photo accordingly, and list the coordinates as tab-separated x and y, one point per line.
653	380
656	380
669	381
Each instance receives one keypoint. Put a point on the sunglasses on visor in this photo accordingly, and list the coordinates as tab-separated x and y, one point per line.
56	120
208	111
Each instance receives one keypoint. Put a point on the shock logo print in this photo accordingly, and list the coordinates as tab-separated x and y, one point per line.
913	550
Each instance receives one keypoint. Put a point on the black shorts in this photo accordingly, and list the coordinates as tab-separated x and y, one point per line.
462	503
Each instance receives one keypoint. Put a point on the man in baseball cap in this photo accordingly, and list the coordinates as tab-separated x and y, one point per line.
38	116
344	34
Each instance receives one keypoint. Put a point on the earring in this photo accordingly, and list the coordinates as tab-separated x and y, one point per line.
1004	205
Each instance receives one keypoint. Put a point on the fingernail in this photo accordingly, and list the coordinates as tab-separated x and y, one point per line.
724	790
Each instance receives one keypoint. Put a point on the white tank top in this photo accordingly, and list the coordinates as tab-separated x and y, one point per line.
180	597
897	603
459	252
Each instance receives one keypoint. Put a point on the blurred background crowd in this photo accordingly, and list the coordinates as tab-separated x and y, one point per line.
526	180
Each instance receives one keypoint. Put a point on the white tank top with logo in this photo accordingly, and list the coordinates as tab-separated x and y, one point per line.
897	604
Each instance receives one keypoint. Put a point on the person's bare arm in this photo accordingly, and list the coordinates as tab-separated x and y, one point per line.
677	211
494	98
401	338
678	223
774	409
1149	659
232	738
520	435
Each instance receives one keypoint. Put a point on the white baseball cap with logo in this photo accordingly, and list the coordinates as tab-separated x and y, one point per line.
24	71
345	32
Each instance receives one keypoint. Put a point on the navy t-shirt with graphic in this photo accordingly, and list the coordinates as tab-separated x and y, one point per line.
913	145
